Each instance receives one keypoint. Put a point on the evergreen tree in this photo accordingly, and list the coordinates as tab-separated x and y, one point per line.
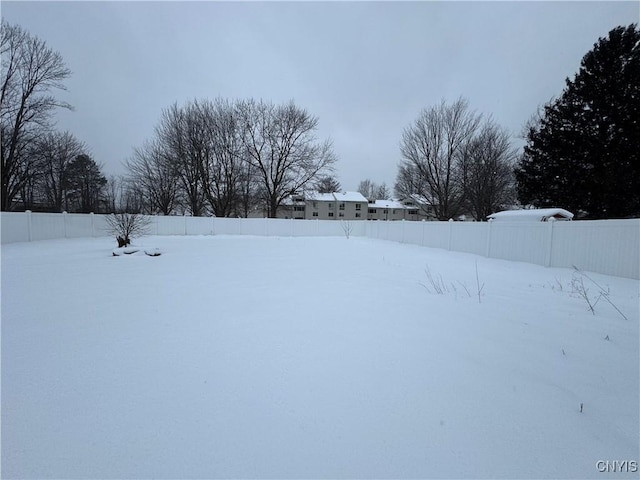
84	185
583	152
328	184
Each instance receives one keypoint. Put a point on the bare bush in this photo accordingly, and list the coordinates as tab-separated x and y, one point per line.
436	284
347	228
126	226
579	288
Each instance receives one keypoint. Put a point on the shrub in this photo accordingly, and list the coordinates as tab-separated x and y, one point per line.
127	225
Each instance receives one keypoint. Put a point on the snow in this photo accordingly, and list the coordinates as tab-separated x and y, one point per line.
254	357
389	204
534	214
320	197
350	197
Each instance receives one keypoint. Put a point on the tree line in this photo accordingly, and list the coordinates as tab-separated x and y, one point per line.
229	158
234	158
582	149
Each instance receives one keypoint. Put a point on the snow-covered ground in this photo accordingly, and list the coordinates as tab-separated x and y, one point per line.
309	357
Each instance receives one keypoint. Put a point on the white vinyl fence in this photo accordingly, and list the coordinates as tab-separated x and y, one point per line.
611	247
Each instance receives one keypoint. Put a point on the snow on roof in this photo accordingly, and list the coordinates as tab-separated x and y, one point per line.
419	199
534	214
350	197
293	200
320	197
387	204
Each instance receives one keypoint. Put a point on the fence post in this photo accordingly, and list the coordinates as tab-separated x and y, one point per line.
450	232
64	223
28	212
550	221
93	233
488	249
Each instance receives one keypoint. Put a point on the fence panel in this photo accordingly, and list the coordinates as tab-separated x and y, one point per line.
520	241
200	225
171	225
15	227
228	226
437	234
606	246
100	226
414	232
78	225
47	226
470	237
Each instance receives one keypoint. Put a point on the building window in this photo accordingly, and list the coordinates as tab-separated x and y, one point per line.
298	209
357	215
331	214
341	214
342	206
394	212
331	205
413	212
385	211
358	206
315	204
373	210
315	214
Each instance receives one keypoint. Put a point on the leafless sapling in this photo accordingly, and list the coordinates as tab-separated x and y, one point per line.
126	226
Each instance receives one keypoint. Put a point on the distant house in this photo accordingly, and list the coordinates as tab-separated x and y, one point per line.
387	210
413	208
325	206
532	215
351	206
292	207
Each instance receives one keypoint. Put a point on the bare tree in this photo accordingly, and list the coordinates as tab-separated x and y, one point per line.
432	147
30	70
152	174
55	151
366	187
486	171
381	191
372	191
132	198
409	181
249	188
183	145
328	184
282	147
217	133
126	226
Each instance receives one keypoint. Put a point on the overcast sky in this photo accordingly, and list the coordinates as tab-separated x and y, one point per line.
365	69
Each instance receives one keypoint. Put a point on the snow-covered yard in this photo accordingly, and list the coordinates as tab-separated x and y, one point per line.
309	357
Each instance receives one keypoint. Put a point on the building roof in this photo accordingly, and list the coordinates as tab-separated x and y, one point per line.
387	204
320	197
533	215
350	197
420	199
293	200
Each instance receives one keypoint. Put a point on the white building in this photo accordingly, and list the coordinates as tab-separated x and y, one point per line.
532	215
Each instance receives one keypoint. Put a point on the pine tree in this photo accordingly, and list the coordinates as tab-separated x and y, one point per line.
583	153
84	185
